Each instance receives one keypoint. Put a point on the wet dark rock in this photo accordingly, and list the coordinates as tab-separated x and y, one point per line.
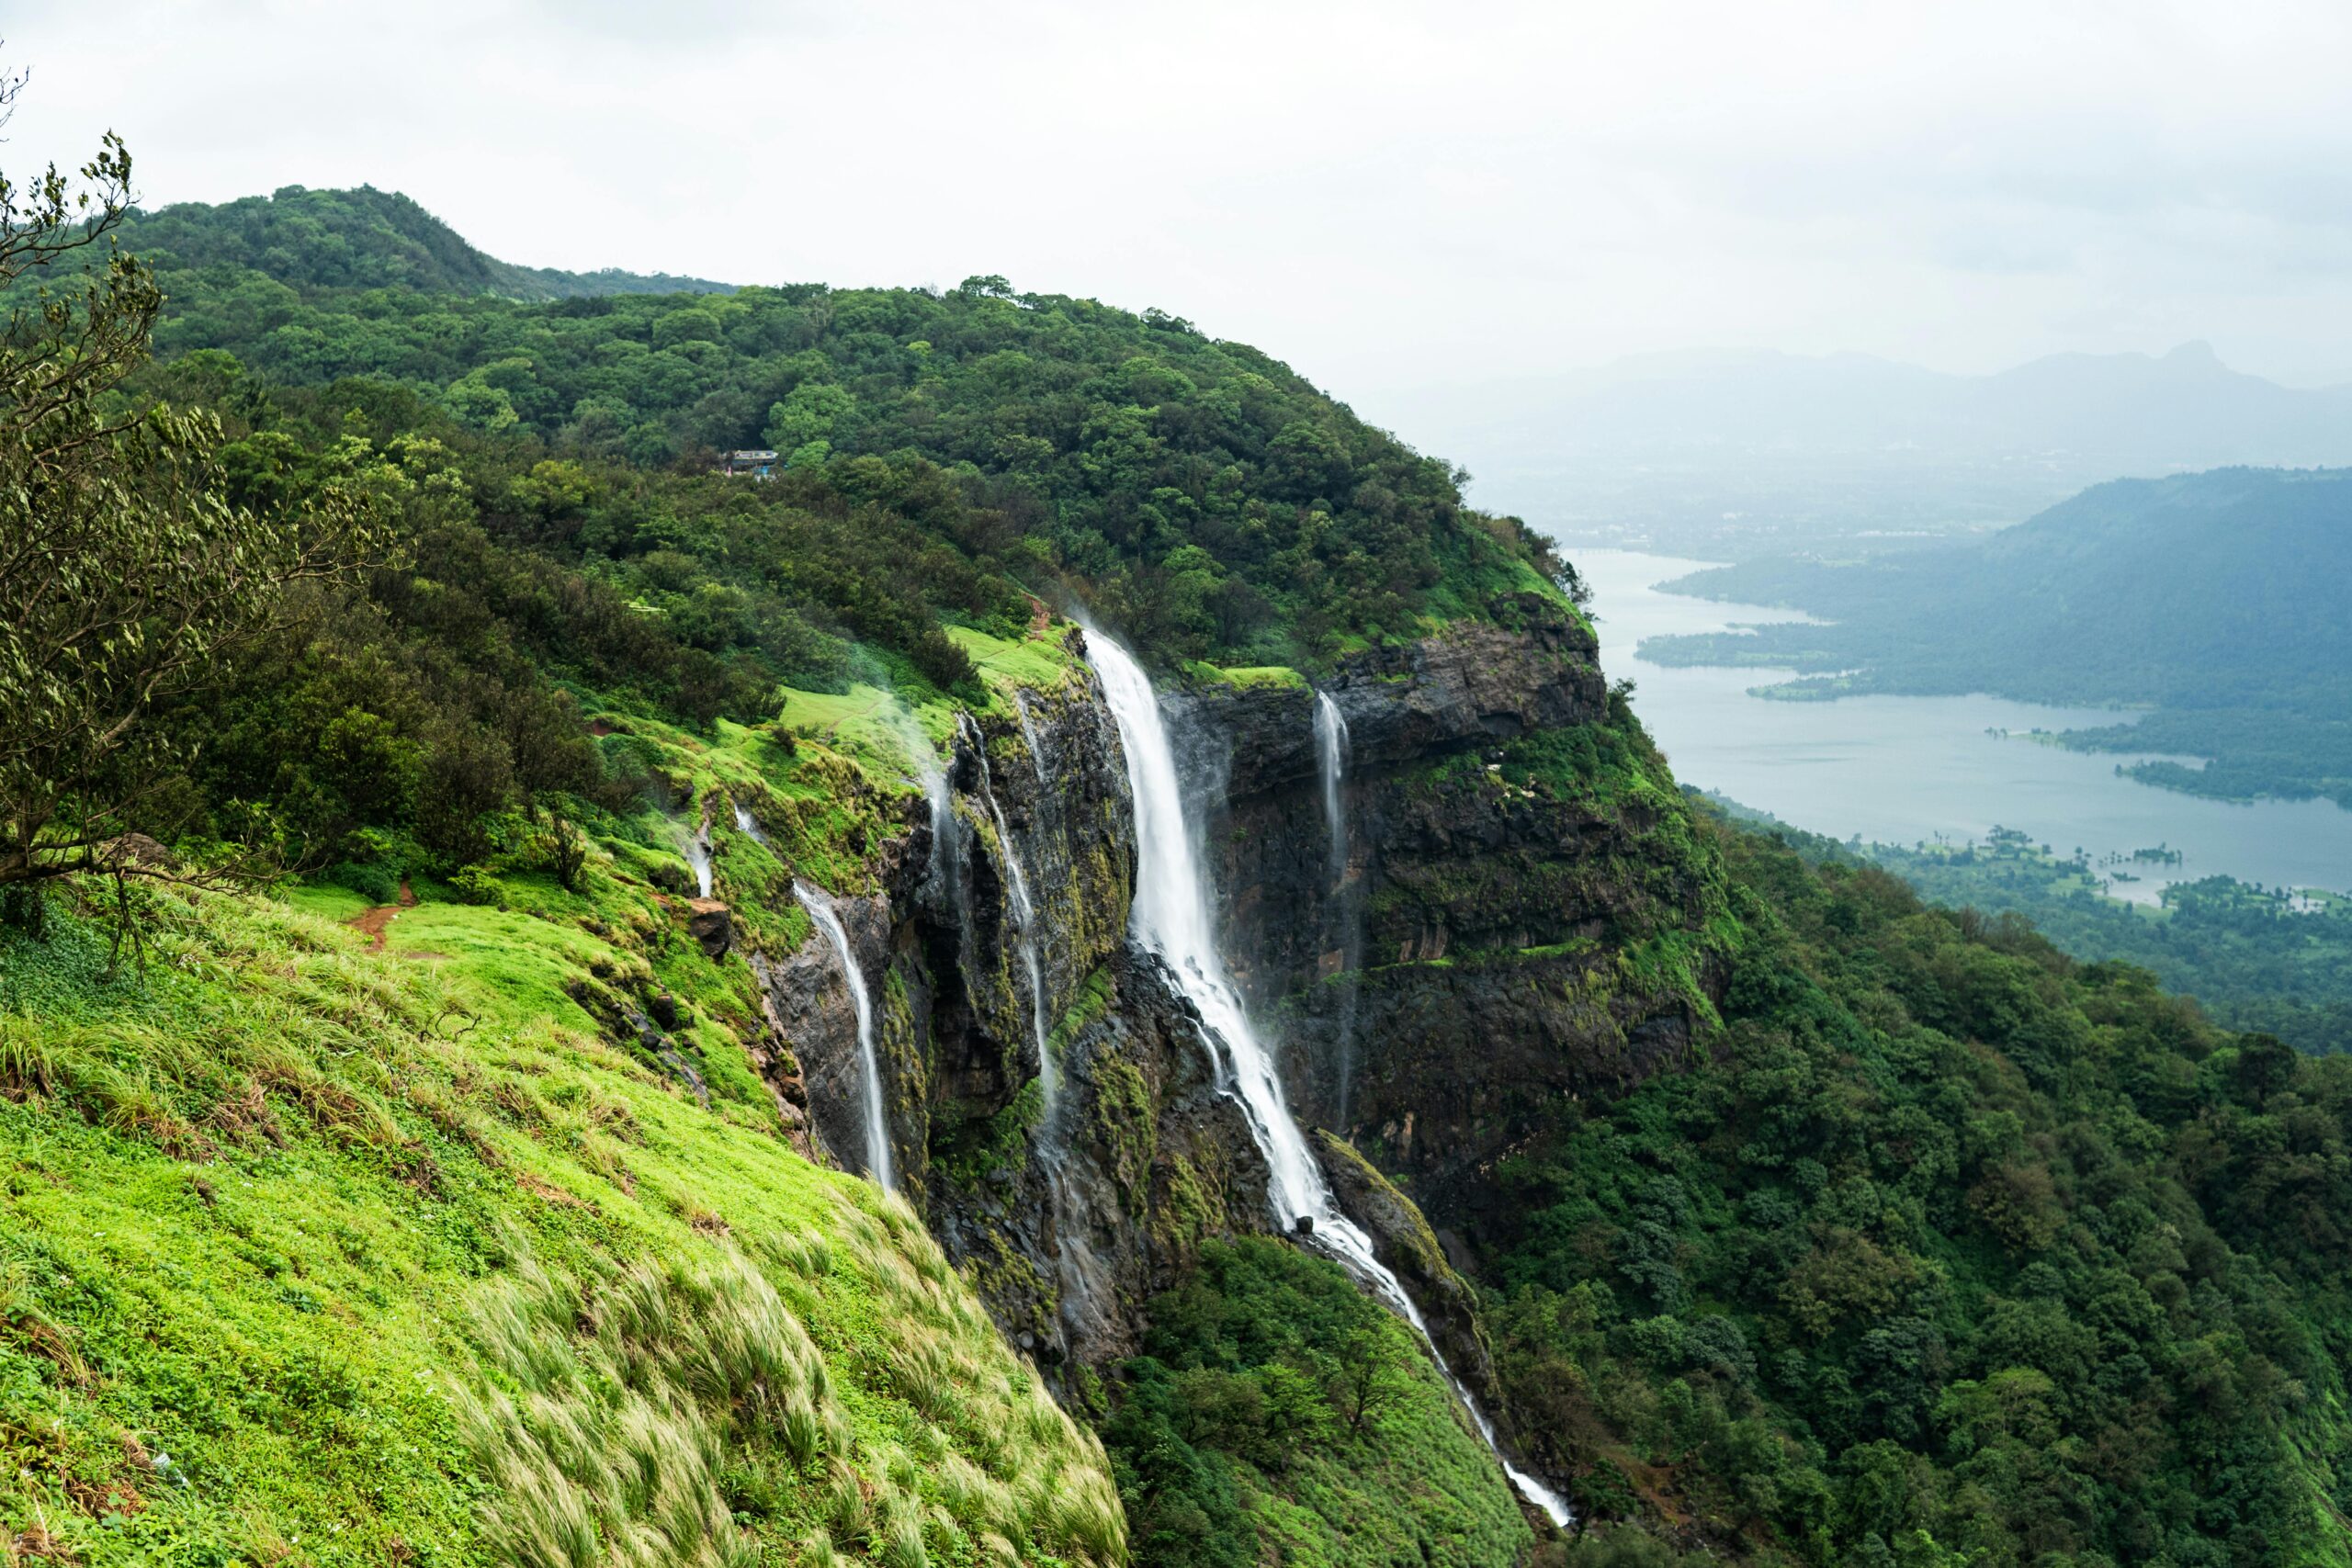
1470	684
1442	975
812	1025
1443	980
708	922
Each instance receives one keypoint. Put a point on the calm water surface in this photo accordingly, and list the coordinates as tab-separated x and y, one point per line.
1901	770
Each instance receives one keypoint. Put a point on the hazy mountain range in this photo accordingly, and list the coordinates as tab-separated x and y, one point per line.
2216	597
1741	453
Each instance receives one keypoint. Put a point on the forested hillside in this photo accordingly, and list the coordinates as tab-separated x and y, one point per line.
1206	495
427	1019
2210	597
316	240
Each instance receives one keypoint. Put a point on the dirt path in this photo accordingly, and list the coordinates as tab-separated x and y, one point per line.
370	923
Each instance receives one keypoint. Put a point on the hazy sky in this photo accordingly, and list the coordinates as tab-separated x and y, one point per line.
1385	195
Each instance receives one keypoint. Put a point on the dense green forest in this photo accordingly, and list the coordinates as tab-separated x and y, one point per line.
1200	492
2207	597
328	240
1936	1247
2267	959
1951	1250
952	459
2254	958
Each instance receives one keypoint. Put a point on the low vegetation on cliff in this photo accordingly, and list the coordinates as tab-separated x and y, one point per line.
1278	1411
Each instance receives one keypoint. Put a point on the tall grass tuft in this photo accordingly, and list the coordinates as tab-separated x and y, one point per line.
609	1416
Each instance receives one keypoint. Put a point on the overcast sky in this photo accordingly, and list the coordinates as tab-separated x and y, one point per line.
1384	195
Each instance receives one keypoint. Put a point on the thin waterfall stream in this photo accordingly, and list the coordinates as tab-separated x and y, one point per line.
1083	1280
1024	914
695	846
877	1129
1172	918
1331	763
1029	734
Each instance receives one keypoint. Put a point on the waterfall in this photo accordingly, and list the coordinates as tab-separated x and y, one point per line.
877	1129
1331	763
946	872
1331	760
1085	1281
1029	733
1024	915
1172	918
944	879
749	825
697	849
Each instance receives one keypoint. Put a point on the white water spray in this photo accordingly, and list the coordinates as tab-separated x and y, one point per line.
1331	763
1172	918
877	1131
749	825
1331	759
697	852
1029	733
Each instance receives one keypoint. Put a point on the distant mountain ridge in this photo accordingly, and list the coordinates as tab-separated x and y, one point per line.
1734	453
2216	596
363	238
2182	407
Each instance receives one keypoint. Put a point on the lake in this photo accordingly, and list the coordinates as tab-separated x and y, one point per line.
1903	770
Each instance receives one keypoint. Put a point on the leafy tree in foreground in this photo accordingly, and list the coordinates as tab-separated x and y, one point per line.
125	571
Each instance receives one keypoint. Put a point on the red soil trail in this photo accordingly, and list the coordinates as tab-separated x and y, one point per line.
370	923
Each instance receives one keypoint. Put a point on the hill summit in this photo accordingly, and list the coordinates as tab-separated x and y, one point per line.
365	238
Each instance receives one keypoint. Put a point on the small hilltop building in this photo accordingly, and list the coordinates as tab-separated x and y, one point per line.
759	464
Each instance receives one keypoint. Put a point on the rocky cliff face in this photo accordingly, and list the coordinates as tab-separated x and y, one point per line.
1465	974
1069	1208
1455	982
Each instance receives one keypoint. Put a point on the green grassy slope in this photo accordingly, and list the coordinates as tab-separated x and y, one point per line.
319	1254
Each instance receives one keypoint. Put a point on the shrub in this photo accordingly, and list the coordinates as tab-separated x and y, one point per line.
376	882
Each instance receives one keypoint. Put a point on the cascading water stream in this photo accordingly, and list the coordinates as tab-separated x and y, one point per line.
1024	914
1172	918
1331	761
1083	1279
877	1131
749	825
697	852
1029	734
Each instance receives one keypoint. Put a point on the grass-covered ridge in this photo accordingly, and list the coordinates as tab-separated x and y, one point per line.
315	1253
